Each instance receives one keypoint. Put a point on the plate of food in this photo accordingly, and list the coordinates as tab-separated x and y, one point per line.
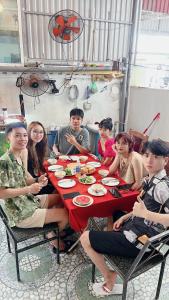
86	179
55	168
88	170
97	190
82	200
69	171
66	183
94	164
110	181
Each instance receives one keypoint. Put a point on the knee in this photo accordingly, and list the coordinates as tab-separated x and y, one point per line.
84	239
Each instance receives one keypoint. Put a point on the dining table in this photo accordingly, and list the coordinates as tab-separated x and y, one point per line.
102	206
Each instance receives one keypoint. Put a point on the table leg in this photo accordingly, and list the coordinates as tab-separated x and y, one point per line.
76	242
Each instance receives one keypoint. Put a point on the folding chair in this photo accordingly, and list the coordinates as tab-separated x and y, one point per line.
18	235
129	268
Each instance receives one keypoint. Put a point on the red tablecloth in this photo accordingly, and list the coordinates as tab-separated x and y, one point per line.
103	206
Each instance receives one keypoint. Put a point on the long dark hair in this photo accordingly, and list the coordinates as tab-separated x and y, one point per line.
40	148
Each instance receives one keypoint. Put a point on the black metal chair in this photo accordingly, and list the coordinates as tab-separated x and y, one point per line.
129	268
18	235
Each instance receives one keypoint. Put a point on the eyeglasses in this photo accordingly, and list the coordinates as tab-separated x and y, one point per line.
37	132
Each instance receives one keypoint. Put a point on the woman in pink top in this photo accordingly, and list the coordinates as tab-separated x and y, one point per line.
106	142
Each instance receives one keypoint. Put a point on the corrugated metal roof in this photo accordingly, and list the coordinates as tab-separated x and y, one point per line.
154	22
106	34
156	5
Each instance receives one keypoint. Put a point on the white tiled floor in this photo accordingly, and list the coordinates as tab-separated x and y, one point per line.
42	278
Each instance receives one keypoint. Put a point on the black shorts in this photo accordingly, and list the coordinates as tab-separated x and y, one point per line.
112	243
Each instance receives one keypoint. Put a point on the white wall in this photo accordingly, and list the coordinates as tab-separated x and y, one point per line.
144	104
54	110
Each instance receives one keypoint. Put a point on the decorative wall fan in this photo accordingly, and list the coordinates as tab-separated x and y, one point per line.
65	26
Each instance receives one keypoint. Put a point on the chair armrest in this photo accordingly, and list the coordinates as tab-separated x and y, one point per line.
159	236
143	239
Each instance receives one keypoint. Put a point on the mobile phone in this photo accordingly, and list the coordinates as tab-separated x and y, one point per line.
70	195
126	186
115	193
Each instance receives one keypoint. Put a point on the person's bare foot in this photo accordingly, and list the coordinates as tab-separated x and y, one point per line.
110	280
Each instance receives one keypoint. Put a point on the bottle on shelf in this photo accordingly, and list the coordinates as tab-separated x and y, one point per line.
5	113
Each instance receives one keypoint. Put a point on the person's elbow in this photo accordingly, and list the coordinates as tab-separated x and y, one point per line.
2	193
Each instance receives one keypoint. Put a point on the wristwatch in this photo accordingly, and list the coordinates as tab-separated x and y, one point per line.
36	179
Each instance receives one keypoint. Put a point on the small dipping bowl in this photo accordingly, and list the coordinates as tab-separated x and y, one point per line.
103	173
60	174
52	161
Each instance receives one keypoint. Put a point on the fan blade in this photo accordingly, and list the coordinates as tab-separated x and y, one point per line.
66	37
74	29
60	21
56	31
71	20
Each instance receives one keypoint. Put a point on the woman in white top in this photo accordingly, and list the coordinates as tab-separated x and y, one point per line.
127	163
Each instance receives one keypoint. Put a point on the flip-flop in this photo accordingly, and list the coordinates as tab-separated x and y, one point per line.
67	245
102	290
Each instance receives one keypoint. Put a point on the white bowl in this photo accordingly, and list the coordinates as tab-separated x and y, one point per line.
103	173
60	174
52	161
55	168
83	158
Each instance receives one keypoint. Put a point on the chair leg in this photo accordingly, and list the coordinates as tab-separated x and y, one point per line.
58	253
8	242
17	264
124	295
93	272
160	279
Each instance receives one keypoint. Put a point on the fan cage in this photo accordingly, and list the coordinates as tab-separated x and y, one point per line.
67	13
34	83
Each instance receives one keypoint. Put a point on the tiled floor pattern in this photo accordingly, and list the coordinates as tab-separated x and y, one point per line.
42	278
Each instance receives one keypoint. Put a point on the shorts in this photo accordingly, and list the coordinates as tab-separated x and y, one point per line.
112	243
38	217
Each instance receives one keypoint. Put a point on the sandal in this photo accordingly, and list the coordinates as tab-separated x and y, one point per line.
67	246
102	290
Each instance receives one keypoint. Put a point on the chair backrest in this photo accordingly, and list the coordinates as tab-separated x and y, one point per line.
3	215
138	139
156	244
5	220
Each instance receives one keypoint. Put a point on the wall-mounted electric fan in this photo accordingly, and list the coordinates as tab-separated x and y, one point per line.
65	26
33	83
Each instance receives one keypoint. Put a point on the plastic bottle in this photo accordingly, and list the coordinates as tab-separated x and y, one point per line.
5	113
78	166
